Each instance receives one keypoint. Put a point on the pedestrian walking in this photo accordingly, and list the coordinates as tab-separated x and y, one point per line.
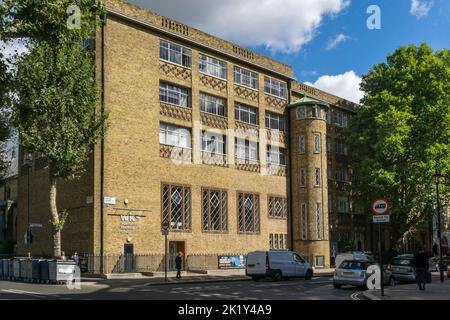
178	263
420	265
63	256
76	258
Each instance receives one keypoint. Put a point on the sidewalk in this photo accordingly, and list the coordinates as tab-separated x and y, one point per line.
434	291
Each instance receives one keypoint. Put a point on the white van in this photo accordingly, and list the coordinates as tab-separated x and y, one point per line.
277	265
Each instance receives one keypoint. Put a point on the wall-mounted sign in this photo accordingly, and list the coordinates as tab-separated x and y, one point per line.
232	262
36	225
381	219
110	200
89	199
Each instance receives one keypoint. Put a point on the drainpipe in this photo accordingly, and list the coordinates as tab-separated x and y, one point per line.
102	146
289	176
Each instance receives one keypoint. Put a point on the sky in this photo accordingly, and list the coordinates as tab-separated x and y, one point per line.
327	42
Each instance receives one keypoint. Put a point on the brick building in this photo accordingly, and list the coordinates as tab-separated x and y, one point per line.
217	142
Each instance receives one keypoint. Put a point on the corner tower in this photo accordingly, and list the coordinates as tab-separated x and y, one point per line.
309	181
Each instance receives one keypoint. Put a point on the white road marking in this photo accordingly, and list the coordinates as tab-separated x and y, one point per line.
26	293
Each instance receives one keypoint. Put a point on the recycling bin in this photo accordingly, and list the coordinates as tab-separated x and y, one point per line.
43	271
5	263
61	270
11	269
1	269
36	270
26	269
16	269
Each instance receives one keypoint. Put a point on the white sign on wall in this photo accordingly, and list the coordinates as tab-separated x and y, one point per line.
110	200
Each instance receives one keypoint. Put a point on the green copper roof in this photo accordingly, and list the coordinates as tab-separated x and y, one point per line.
307	101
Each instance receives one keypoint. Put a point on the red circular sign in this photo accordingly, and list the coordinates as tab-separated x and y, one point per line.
380	207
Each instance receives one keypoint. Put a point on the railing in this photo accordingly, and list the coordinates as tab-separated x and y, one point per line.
214	159
175	153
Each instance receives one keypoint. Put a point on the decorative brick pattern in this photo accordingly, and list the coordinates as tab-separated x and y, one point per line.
276	170
248	165
246	93
214	121
276	136
244	130
275	103
214	159
213	83
175	153
173	111
171	70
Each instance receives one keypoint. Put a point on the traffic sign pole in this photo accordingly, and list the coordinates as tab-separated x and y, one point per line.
165	232
380	209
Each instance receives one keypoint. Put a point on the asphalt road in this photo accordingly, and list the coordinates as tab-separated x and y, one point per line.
298	289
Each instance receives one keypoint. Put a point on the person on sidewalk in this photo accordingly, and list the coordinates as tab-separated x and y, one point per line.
76	258
178	263
420	265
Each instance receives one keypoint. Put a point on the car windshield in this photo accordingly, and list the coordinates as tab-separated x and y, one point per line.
401	262
353	265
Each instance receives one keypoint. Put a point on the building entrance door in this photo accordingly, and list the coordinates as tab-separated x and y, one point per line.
174	248
128	258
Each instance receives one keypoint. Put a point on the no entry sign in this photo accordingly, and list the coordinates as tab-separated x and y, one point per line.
380	207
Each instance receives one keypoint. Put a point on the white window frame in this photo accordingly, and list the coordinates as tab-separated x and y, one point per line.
340	119
275	87
317	142
246	78
303	177
212	66
167	132
317	177
176	54
319	226
302	144
278	120
218	105
304	221
316	112
243	111
175	95
246	149
214	143
276	155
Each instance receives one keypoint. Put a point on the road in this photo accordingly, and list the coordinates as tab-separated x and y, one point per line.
320	288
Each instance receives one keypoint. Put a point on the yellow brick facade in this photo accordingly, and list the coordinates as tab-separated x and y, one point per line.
136	165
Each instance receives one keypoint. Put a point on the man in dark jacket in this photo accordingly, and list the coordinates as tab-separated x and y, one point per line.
420	265
178	263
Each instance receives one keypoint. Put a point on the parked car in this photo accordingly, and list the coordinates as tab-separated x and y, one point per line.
433	264
354	273
403	271
277	265
362	256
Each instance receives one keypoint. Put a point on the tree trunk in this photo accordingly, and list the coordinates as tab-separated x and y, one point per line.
55	218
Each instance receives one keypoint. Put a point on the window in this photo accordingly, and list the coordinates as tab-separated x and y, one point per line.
342	204
340	147
317	178
248	212
246	114
246	78
175	54
176	207
275	122
301	112
320	261
319	221
271	246
302	177
316	113
275	155
302	144
341	174
212	66
304	221
277	207
317	143
174	136
174	95
213	142
274	87
213	105
340	119
246	149
214	204
276	241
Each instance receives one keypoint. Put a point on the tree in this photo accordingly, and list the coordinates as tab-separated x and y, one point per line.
55	94
5	114
401	134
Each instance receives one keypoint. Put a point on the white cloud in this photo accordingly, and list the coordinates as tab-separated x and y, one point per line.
344	85
334	42
279	25
420	8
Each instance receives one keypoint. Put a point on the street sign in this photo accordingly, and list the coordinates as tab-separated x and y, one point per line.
36	225
380	207
110	200
381	219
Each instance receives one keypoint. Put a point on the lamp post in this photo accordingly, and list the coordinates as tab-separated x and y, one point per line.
28	162
437	176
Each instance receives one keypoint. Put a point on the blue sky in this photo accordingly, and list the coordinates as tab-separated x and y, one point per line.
301	32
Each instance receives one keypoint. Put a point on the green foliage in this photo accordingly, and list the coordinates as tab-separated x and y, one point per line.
55	106
401	133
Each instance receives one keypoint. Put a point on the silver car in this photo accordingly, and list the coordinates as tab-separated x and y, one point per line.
354	273
403	271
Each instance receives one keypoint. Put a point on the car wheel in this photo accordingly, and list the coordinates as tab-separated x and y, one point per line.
337	286
278	276
309	274
391	282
